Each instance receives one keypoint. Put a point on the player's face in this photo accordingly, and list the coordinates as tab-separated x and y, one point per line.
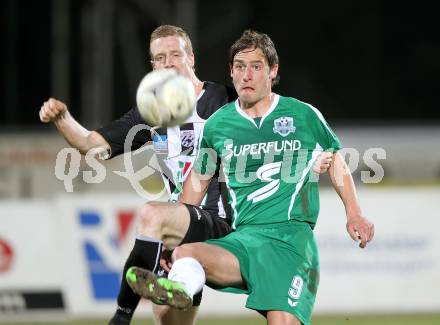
252	76
169	53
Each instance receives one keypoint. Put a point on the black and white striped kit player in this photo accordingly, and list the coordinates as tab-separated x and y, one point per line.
175	146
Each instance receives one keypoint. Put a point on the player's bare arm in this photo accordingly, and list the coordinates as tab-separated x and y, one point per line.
358	227
76	135
194	188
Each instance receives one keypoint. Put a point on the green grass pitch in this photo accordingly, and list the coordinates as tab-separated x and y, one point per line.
431	319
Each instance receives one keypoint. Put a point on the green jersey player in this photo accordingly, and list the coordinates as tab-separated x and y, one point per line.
266	146
268	160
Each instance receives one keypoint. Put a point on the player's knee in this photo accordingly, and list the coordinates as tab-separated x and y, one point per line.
150	217
183	251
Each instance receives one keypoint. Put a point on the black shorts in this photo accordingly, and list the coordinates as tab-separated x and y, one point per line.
203	225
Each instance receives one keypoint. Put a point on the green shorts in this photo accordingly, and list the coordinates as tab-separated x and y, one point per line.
279	264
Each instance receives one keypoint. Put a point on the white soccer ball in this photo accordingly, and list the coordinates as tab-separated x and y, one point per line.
165	98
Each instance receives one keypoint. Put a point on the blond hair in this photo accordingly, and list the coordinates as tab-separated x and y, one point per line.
170	30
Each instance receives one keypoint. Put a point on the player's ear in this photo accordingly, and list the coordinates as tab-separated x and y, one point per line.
191	60
273	72
151	58
230	69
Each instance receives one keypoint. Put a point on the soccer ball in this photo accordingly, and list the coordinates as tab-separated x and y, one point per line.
165	98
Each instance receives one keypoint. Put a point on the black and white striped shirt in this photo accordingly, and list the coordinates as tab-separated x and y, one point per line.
174	146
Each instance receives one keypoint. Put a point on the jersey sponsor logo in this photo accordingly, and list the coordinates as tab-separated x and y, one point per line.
283	126
182	171
265	173
187	138
160	143
261	148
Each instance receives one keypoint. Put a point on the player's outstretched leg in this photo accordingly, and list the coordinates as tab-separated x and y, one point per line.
161	291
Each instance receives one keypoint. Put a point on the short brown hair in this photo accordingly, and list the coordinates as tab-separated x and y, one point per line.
251	39
170	30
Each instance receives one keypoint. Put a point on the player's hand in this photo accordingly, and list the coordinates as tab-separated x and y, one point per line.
165	260
322	163
360	229
52	110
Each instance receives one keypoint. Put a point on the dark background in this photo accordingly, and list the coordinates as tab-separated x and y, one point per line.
359	62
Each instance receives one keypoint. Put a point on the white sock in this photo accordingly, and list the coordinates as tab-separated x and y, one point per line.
190	273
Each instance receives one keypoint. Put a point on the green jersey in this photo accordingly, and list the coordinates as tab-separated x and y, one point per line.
267	162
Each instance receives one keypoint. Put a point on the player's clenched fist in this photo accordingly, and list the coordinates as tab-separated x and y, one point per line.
52	110
360	229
